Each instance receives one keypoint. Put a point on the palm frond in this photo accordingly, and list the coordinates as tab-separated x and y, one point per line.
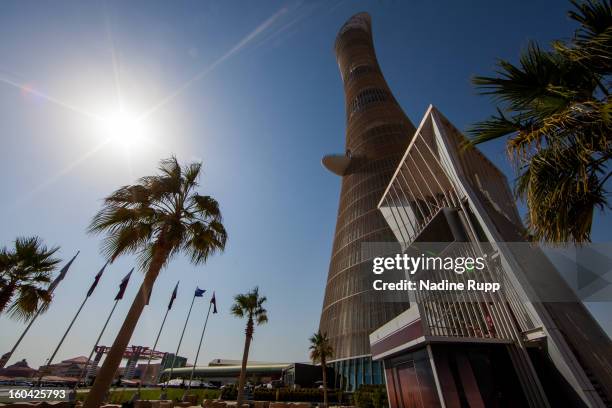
29	300
494	128
261	317
553	129
129	196
161	216
320	347
562	189
25	273
170	168
557	118
594	16
113	219
204	240
237	310
191	175
127	240
250	305
521	86
32	254
205	206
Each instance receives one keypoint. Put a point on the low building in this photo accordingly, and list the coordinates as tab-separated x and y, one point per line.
220	373
147	373
307	376
169	360
71	367
226	362
20	369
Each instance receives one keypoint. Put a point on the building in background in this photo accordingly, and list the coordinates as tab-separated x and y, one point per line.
20	369
224	371
71	367
227	362
377	134
168	360
147	373
304	375
134	355
531	344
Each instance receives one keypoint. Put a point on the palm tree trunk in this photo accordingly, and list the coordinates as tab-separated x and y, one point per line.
6	294
245	358
324	368
106	375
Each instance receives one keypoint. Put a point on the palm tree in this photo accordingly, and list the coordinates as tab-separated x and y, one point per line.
249	305
25	274
554	109
157	219
320	351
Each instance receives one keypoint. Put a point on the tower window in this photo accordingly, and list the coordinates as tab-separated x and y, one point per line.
360	70
365	98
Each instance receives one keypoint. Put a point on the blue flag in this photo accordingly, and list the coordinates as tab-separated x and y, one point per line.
199	292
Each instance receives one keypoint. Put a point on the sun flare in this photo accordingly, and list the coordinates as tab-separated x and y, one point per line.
124	128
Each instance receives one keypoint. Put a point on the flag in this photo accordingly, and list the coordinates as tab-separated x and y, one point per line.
96	280
173	296
213	301
62	274
199	292
123	285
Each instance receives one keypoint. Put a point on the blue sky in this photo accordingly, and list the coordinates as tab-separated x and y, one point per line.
251	89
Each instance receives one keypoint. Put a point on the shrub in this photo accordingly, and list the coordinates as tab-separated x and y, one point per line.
230	392
371	396
363	399
292	395
263	394
379	397
339	396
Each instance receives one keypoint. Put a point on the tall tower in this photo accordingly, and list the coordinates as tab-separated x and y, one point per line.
377	135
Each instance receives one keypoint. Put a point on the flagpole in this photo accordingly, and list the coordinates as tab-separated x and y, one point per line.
146	370
87	295
180	341
84	370
50	360
195	362
172	297
6	357
156	340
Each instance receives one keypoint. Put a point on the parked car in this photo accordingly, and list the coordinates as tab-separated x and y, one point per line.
207	386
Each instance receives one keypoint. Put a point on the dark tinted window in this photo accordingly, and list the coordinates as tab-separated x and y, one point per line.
367	97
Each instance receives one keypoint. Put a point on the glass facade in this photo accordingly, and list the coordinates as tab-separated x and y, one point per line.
412	384
352	373
169	358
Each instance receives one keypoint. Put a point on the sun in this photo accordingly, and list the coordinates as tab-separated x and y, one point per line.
125	129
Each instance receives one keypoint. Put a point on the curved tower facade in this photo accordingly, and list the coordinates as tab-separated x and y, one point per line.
377	135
